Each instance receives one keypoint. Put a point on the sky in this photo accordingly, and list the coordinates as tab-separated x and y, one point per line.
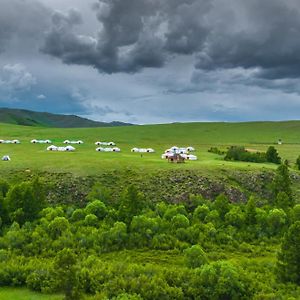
152	61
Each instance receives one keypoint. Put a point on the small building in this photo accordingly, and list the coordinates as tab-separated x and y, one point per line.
5	158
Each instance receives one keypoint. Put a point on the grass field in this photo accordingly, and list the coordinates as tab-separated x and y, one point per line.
85	160
25	294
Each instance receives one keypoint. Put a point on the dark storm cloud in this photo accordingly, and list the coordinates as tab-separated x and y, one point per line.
135	34
23	21
255	34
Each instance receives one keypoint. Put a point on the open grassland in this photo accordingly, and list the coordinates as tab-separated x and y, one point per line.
85	160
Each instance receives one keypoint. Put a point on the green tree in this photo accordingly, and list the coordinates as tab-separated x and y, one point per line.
97	208
235	217
273	156
250	212
288	264
298	162
222	205
282	181
283	201
132	203
195	257
66	271
276	220
24	201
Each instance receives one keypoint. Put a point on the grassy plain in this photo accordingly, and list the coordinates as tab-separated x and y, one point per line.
85	160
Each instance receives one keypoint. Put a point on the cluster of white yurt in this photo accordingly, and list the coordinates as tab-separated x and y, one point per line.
182	151
5	158
105	144
9	142
61	149
143	150
108	149
34	141
73	142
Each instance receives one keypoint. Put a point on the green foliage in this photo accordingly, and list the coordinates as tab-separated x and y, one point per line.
221	280
282	182
298	162
24	201
131	204
237	153
221	204
97	208
216	150
65	266
201	212
288	265
251	211
172	247
195	257
273	156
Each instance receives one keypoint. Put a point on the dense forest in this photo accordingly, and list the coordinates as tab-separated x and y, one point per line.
199	249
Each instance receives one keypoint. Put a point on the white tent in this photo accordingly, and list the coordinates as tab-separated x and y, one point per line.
142	150
190	149
69	148
115	149
34	141
73	142
9	142
6	158
52	148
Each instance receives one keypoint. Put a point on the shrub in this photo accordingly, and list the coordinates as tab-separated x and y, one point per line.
195	257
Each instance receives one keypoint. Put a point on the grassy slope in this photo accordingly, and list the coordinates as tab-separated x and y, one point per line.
86	160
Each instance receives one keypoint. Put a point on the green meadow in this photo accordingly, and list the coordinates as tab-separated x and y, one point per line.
85	160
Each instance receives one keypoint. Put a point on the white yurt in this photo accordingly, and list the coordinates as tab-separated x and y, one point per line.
70	148
15	141
5	158
135	150
111	144
34	141
52	148
190	149
1	141
66	142
116	149
150	150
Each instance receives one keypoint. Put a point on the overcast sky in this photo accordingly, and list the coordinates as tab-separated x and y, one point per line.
152	61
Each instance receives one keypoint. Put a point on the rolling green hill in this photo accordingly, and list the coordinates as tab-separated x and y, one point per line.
85	160
44	119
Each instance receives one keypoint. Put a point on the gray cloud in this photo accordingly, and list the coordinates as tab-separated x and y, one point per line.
137	34
22	23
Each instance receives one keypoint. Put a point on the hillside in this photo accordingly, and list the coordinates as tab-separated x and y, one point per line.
44	119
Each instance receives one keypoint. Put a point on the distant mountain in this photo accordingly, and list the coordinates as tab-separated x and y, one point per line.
44	119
